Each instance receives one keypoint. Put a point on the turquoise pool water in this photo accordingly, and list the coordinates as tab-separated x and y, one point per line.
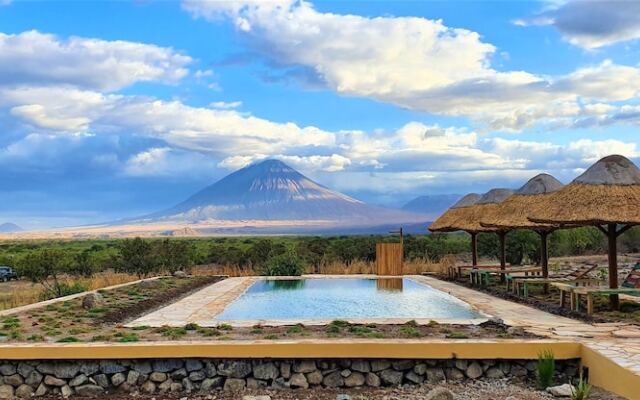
319	298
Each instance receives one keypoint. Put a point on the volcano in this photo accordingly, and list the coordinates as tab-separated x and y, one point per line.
271	190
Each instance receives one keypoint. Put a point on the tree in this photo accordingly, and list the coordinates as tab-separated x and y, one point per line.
259	252
45	267
283	265
136	256
83	264
174	255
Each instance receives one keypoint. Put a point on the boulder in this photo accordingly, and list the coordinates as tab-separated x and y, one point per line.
41	390
454	374
474	370
197	376
158	377
211	383
345	373
234	384
53	381
101	380
180	274
179	374
314	378
379	365
439	393
66	391
265	371
24	391
285	370
148	387
254	384
361	366
132	377
89	390
494	373
25	369
304	366
333	379
92	300
34	378
354	380
461	364
193	365
391	377
234	369
110	367
66	370
298	380
7	369
372	379
14	380
6	392
166	365
117	379
413	377
420	369
565	390
260	397
148	284
78	380
436	375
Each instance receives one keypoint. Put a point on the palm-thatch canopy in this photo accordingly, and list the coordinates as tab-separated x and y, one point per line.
488	202
449	221
608	193
514	211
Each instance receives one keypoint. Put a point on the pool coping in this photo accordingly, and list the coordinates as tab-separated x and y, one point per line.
176	316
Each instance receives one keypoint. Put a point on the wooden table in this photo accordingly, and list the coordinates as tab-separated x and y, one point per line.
589	292
483	275
525	282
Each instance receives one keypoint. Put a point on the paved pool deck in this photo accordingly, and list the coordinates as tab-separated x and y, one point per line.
619	342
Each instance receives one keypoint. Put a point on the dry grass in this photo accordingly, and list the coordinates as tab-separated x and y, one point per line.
19	293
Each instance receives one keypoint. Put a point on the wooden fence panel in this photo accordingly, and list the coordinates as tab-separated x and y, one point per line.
389	259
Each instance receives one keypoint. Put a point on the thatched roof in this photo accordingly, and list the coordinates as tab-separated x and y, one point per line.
447	222
467	217
513	212
607	192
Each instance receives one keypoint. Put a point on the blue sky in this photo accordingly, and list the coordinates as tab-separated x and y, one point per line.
116	109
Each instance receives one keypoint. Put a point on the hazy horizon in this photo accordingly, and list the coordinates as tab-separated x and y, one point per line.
112	110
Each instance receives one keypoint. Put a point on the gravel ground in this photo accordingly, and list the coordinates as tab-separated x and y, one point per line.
479	390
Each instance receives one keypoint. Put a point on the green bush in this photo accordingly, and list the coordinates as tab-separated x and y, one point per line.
283	265
582	390
545	369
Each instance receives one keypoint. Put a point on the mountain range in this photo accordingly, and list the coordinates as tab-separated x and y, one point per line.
9	227
432	205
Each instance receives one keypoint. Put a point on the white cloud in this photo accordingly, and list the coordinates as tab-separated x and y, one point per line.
592	24
34	58
419	64
226	105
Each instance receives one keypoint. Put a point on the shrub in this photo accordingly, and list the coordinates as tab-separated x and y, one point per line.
582	390
283	265
545	369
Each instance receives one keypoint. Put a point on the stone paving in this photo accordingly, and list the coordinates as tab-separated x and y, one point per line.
619	342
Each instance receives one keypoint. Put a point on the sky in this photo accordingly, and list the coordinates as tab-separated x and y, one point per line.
117	109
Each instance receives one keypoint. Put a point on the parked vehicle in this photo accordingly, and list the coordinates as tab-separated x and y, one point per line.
7	273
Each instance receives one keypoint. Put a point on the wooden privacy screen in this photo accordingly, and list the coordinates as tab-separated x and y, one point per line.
389	259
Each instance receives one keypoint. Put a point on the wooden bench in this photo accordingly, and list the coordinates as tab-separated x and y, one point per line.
589	292
482	276
455	271
525	283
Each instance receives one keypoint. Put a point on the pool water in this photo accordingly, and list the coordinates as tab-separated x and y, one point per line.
325	298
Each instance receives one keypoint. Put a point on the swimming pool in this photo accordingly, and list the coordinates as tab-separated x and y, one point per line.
346	298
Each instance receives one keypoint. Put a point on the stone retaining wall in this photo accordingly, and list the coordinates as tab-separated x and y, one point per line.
93	378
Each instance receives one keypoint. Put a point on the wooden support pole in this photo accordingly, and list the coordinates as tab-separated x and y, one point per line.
612	235
474	249
503	253
544	253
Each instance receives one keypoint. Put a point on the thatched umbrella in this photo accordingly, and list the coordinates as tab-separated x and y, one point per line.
607	195
512	213
465	216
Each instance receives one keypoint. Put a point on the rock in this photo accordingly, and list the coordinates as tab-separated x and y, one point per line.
435	375
515	331
314	378
66	391
211	383
101	380
345	373
45	368
266	371
180	274
333	380
193	365
261	397
89	368
117	379
25	369
7	369
461	364
143	367
518	371
24	391
66	370
454	374
343	396
420	369
78	380
166	365
175	387
197	376
391	377
254	384
379	365
187	385
298	380
439	393
158	377
89	390
111	367
148	284
41	391
14	380
179	374
561	391
361	366
165	386
53	381
413	377
92	300
354	380
6	392
34	378
148	387
234	369
285	370
372	379
132	377
474	371
234	384
304	366
494	373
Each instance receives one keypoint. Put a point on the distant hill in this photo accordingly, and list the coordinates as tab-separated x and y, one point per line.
273	191
10	227
433	205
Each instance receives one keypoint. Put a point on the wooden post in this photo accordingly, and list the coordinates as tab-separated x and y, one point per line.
503	252
612	235
544	253
474	249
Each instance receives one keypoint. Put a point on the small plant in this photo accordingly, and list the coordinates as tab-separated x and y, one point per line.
257	331
582	391
69	339
295	330
36	338
140	328
271	336
128	337
287	264
191	326
457	335
545	369
340	323
412	323
410	331
225	327
333	329
10	322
